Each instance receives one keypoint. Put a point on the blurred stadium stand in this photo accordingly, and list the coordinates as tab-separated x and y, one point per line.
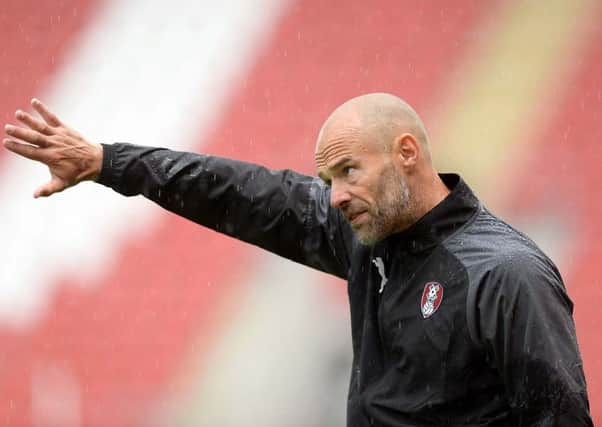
114	312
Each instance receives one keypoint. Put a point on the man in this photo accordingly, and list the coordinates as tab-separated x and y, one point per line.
457	319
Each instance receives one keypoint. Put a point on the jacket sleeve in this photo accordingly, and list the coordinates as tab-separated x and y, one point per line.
282	211
525	323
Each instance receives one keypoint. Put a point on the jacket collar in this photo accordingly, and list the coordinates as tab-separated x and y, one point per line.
453	212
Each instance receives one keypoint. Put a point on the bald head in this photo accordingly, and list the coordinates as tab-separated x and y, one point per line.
380	117
373	154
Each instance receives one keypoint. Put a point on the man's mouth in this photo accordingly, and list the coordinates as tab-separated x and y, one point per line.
356	218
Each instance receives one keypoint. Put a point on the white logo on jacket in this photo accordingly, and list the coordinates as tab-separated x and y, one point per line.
380	266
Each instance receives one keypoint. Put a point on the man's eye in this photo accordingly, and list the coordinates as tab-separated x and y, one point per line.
348	170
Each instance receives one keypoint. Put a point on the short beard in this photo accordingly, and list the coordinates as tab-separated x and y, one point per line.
391	212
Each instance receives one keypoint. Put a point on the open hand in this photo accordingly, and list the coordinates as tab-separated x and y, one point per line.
69	157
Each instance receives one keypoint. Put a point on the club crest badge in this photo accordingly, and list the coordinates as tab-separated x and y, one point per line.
431	298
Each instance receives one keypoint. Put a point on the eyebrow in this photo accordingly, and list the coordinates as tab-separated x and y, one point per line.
334	166
339	163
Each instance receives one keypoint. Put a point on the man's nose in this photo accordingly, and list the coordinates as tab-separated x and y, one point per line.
339	196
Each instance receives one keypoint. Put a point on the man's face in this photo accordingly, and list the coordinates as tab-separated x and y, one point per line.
365	185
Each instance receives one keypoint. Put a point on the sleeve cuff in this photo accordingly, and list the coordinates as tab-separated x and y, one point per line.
107	173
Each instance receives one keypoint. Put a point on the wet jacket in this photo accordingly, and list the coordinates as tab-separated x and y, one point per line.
459	320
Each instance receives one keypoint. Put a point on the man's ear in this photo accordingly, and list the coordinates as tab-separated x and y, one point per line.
406	150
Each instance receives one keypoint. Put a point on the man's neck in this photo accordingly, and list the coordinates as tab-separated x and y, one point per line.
424	197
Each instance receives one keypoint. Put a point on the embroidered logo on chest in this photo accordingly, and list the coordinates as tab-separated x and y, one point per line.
431	298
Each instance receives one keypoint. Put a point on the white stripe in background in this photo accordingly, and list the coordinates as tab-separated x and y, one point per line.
283	359
145	71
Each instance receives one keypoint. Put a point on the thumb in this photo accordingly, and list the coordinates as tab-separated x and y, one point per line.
54	186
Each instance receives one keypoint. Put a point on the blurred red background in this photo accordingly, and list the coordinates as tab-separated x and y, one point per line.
113	312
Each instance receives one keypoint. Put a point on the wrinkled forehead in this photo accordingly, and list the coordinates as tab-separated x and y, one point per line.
333	145
336	138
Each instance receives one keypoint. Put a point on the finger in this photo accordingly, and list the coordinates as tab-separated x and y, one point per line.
48	189
48	116
25	150
35	124
27	135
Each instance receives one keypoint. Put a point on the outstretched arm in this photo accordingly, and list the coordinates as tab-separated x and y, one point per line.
69	157
282	211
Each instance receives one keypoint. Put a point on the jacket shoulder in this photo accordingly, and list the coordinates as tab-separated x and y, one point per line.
489	243
502	262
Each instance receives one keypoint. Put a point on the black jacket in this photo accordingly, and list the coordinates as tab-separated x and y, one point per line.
458	321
